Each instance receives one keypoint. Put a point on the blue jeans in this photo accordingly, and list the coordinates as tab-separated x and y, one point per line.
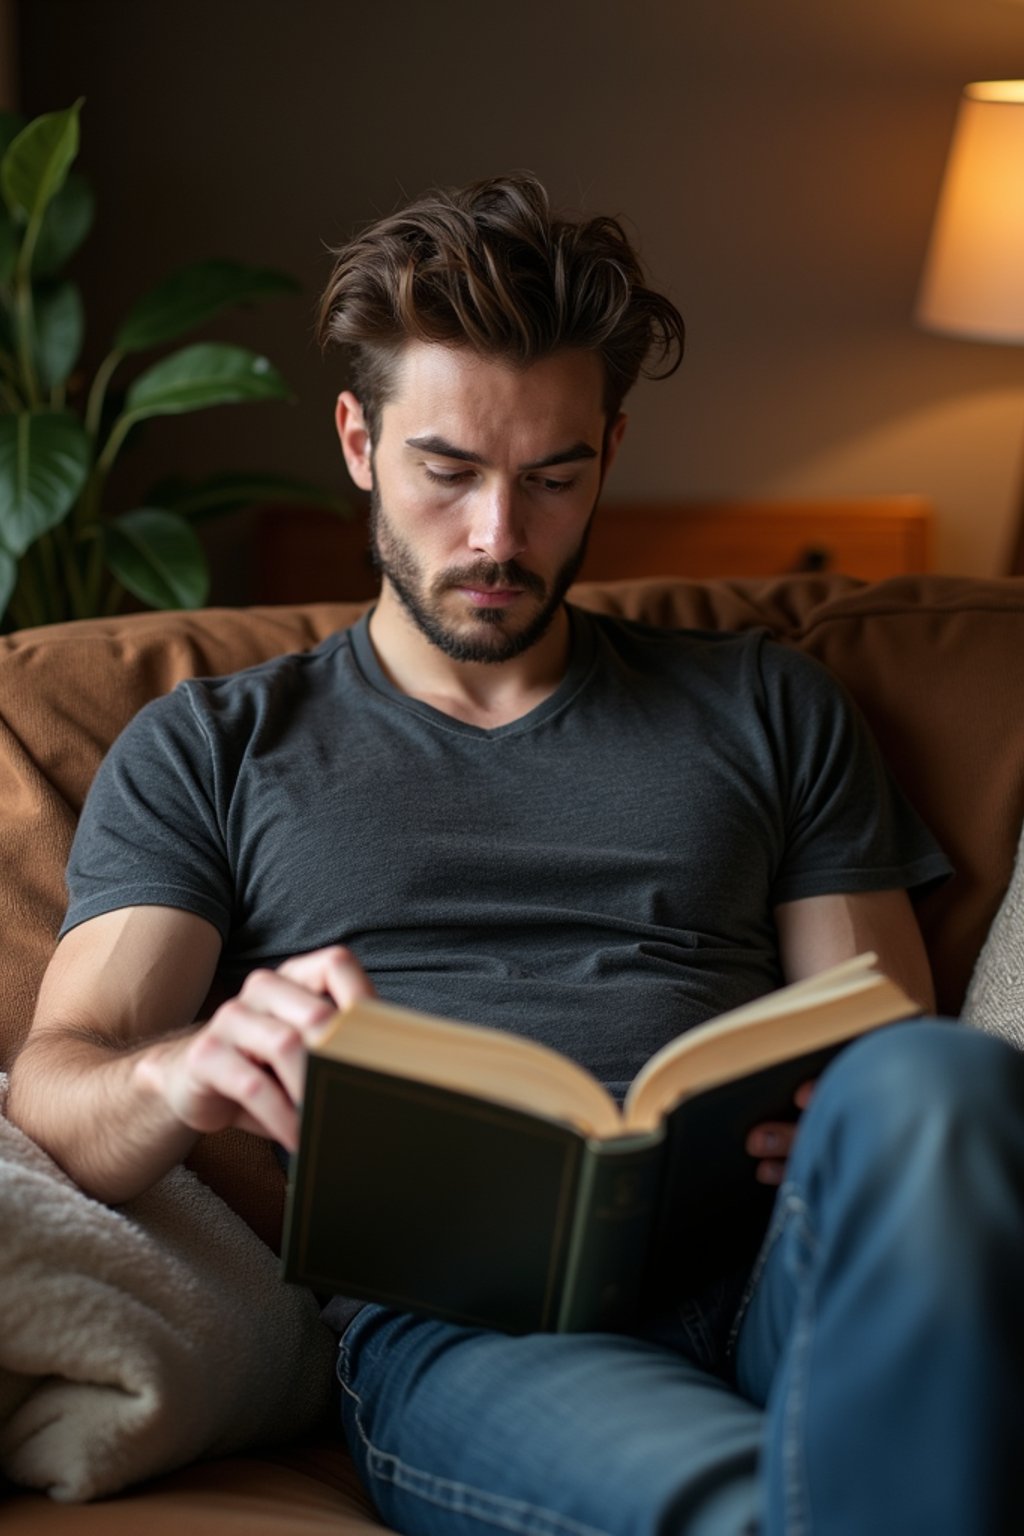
876	1376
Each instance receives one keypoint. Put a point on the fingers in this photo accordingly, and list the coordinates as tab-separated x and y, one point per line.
279	995
247	1066
772	1141
335	973
237	1072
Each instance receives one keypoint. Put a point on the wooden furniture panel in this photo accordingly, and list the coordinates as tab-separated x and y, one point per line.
307	556
870	537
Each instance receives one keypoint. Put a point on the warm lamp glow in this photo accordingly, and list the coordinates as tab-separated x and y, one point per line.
973	282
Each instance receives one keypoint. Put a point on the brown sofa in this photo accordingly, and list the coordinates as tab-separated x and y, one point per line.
936	664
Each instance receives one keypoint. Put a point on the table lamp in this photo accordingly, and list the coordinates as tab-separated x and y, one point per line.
973	282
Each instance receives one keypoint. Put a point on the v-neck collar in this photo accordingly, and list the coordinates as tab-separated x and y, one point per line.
581	658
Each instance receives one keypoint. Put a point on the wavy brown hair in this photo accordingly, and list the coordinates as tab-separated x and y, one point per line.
491	267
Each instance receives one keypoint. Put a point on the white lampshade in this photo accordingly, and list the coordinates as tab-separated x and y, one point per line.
973	283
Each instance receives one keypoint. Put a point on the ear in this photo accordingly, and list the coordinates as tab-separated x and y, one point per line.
354	436
612	439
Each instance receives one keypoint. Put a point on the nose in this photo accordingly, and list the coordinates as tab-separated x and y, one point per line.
497	529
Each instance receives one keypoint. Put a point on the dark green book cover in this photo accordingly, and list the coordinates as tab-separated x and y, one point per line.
431	1200
477	1176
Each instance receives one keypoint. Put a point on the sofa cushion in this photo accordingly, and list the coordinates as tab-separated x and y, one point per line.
309	1491
933	662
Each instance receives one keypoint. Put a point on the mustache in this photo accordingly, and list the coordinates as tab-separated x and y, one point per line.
492	574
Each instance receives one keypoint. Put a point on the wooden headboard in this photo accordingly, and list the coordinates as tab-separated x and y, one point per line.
307	555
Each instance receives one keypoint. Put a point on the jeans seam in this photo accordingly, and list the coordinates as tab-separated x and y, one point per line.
795	1481
780	1216
460	1498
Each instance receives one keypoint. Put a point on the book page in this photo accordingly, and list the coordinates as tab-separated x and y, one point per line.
836	1005
492	1064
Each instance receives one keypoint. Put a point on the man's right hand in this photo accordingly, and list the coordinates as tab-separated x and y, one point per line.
116	1081
246	1067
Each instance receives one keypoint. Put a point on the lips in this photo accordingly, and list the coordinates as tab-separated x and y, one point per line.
491	597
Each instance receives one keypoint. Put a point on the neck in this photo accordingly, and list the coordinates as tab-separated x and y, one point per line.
486	694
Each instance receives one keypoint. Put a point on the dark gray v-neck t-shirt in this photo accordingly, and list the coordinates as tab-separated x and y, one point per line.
600	874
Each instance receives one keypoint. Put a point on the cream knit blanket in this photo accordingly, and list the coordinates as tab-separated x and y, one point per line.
133	1340
995	997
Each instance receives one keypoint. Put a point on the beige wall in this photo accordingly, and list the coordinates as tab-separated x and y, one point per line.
780	163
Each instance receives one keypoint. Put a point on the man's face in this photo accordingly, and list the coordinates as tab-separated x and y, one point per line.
483	483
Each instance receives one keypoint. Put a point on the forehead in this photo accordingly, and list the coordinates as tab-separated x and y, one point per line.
453	392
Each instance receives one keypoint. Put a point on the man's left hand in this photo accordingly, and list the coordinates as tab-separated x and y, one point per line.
772	1141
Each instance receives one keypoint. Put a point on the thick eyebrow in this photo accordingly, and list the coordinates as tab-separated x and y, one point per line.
446	450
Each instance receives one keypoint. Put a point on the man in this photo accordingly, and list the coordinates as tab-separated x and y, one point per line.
486	803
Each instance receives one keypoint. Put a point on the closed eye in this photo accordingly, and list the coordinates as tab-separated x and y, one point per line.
457	476
452	477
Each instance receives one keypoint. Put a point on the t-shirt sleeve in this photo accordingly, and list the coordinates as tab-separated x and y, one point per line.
151	832
848	826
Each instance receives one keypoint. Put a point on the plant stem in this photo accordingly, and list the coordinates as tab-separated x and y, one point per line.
113	599
69	558
46	564
87	512
93	578
27	600
118	432
8	394
25	328
97	394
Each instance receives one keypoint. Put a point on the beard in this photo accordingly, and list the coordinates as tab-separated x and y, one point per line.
487	634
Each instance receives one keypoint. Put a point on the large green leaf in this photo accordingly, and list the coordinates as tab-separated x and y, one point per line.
44	460
194	295
60	327
229	492
8	579
66	222
157	557
37	162
209	373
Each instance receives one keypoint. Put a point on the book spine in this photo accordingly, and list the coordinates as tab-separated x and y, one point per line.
611	1233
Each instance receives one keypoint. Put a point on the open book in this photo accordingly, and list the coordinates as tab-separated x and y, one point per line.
470	1173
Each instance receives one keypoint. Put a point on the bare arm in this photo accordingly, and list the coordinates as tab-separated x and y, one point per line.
825	930
117	1079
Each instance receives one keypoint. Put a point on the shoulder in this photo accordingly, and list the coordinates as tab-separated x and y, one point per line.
291	672
204	715
238	695
749	659
652	642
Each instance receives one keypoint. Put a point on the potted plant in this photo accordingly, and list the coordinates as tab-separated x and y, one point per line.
65	552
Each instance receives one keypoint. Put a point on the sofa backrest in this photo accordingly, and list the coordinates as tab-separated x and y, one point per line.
934	662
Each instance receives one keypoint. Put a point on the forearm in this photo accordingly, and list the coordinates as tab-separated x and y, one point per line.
96	1110
116	1080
